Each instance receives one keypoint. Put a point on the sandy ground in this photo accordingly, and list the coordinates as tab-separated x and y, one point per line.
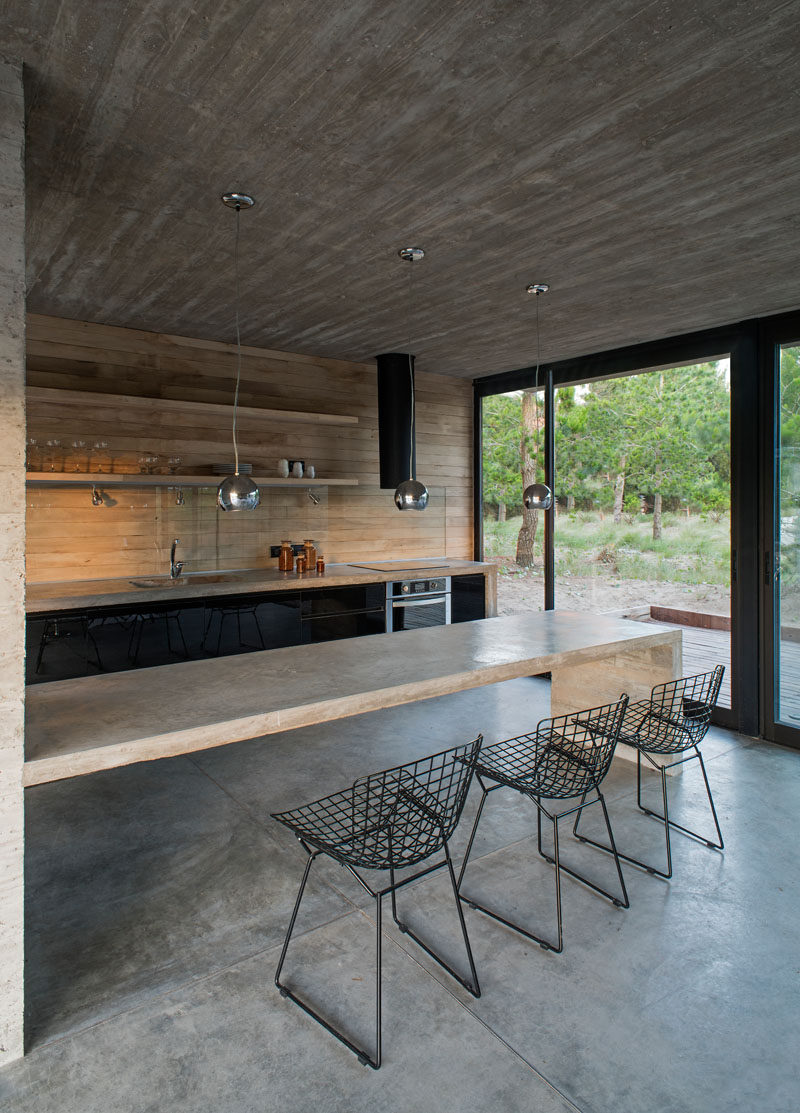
521	590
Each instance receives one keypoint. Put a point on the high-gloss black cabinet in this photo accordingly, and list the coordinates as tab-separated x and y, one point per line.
468	598
110	639
342	612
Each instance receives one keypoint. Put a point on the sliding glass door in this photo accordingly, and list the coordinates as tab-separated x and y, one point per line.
781	559
642	524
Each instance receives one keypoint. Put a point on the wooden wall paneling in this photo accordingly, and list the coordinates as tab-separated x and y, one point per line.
136	389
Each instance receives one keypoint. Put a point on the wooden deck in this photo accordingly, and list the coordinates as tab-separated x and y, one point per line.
703	649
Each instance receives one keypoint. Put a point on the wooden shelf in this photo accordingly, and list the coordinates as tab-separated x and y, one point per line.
132	479
122	402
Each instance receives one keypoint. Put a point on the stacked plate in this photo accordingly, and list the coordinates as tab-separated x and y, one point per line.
228	469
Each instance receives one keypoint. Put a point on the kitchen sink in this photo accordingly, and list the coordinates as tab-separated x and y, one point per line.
189	578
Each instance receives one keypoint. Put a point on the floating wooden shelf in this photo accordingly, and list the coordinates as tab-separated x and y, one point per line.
132	479
122	402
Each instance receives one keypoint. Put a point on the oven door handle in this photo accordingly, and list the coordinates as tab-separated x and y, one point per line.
419	602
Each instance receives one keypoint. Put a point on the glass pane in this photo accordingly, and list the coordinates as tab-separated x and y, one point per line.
513	455
787	540
642	485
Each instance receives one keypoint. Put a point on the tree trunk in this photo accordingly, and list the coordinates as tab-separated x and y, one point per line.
657	516
570	502
619	491
657	499
528	449
501	511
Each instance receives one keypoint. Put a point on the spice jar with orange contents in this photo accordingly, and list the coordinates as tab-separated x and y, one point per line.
286	557
310	552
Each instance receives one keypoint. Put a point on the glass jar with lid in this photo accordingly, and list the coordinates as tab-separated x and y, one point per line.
310	552
286	557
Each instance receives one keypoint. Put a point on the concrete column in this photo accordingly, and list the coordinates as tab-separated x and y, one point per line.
12	554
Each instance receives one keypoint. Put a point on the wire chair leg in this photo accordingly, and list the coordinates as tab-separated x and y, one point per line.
485	793
618	854
545	944
625	902
720	845
470	984
557	865
363	1056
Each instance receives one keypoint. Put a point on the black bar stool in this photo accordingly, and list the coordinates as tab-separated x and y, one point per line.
390	820
674	720
566	758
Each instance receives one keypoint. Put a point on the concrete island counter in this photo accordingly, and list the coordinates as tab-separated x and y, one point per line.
90	723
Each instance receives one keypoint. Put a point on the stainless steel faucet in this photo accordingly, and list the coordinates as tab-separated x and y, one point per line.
175	566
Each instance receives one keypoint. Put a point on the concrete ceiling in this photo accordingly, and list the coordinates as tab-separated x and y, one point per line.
642	157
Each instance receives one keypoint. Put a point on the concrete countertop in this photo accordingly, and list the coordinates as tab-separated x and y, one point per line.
100	722
49	598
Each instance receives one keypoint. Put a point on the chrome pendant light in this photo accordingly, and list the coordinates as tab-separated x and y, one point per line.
237	492
537	496
411	494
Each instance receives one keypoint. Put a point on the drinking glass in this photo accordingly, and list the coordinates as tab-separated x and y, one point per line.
34	455
98	446
52	446
78	447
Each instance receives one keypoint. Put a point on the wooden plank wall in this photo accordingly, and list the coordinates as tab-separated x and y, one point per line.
130	533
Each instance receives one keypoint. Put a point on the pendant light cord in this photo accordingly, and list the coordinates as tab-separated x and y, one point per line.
411	370
536	385
238	342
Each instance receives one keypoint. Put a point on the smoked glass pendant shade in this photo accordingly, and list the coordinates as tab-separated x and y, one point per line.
411	495
537	497
238	492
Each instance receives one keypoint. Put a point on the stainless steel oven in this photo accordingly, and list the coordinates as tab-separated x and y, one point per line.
415	604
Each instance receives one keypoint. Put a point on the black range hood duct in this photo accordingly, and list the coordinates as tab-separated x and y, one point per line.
395	418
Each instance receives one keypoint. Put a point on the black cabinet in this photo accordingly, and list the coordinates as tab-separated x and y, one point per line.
109	639
342	612
468	598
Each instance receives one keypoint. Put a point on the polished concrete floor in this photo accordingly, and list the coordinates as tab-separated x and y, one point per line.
158	896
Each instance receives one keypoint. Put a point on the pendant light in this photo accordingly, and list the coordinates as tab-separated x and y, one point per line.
537	496
411	494
237	492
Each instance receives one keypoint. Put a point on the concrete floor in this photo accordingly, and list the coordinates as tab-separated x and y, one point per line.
158	896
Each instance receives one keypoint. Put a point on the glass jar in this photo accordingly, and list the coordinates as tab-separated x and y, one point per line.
300	564
285	557
310	552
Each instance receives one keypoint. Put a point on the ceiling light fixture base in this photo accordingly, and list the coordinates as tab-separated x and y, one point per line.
537	288
412	254
237	200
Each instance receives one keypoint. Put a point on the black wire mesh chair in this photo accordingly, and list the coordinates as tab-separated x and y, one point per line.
390	820
674	720
566	758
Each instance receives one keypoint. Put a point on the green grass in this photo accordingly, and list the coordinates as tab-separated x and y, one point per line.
691	550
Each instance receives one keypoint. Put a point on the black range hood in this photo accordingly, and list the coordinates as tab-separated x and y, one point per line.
395	418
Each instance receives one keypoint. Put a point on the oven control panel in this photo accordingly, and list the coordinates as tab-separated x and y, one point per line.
399	588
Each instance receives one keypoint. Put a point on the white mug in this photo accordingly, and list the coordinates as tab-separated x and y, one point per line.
311	471
283	468
297	470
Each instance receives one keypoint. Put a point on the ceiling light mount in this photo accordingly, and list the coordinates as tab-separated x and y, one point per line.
411	254
537	288
238	200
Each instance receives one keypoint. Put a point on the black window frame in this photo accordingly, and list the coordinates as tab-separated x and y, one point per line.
743	343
